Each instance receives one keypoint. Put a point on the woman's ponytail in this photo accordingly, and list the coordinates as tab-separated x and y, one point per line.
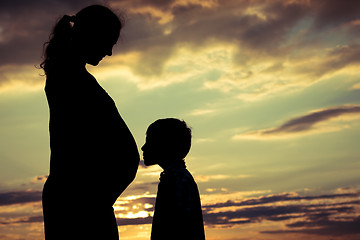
59	42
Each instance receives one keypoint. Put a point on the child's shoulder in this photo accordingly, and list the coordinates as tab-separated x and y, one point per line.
183	176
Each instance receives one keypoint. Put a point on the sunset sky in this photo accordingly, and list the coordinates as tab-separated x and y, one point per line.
271	90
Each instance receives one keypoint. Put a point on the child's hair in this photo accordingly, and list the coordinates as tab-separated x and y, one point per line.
174	134
88	22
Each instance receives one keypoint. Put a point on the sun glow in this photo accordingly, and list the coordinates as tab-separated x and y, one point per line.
141	214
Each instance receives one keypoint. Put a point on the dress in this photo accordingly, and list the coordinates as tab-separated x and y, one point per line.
94	158
178	213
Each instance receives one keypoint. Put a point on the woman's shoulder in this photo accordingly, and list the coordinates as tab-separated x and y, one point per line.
67	82
65	75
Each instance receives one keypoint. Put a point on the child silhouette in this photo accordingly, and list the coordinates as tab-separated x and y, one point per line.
178	212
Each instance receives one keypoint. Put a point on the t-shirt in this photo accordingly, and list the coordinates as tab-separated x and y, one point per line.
178	213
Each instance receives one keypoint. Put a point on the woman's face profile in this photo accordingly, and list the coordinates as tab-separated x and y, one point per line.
95	41
98	47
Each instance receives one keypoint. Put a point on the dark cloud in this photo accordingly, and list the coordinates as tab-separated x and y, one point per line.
274	213
194	26
306	213
158	4
308	121
333	214
32	219
134	221
41	178
341	57
10	198
322	225
272	208
25	26
280	198
329	215
280	207
334	13
231	23
335	60
38	180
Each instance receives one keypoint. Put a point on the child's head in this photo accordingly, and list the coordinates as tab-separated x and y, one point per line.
167	140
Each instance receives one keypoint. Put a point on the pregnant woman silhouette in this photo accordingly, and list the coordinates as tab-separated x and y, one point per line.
93	154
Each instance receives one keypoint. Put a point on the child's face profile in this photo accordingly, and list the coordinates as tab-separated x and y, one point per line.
153	150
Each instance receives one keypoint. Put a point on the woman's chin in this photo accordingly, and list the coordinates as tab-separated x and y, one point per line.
94	61
149	162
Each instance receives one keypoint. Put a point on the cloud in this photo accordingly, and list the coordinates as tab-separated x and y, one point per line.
9	198
322	225
282	198
314	121
32	219
336	59
204	140
200	112
332	214
285	72
202	178
298	212
264	37
39	179
26	26
197	27
335	13
133	221
356	86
